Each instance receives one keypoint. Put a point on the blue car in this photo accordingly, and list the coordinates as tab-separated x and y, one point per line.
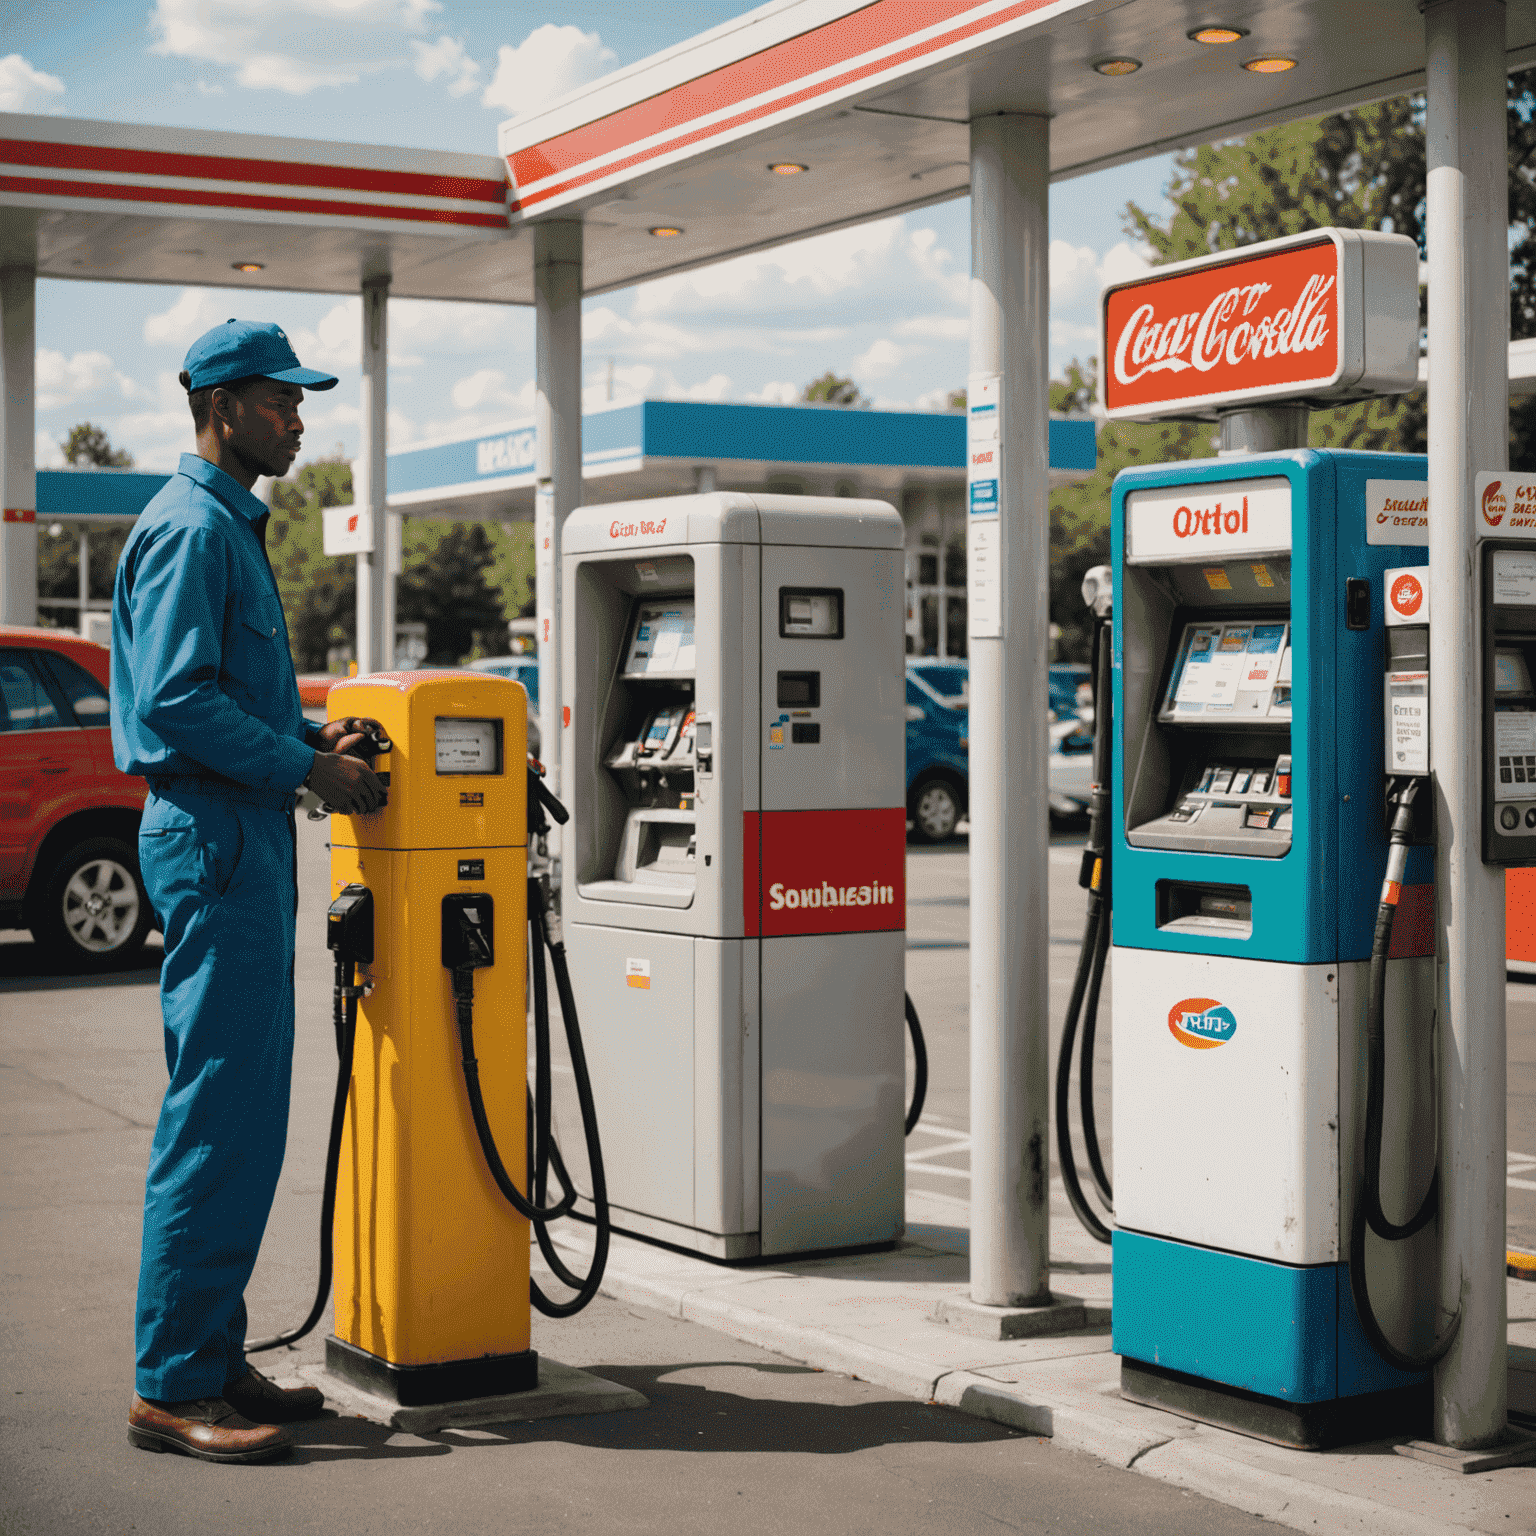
938	745
938	748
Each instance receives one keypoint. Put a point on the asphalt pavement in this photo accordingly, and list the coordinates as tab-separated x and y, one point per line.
733	1435
733	1432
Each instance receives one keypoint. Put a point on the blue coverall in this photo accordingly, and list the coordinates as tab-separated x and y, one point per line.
205	707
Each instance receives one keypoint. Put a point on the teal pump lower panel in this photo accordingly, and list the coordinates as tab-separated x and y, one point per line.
1284	1331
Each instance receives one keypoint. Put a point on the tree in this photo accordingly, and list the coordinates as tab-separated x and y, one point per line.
88	444
444	585
58	555
318	591
832	389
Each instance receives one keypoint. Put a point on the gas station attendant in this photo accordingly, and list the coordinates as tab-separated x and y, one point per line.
205	707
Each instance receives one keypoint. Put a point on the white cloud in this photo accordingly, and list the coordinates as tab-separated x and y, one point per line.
432	327
935	399
776	393
1123	261
25	89
205	89
883	358
936	327
195	311
715	388
293	46
337	341
550	61
487	390
446	57
67	380
46	453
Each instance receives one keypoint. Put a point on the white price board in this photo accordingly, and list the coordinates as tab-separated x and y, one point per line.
984	605
1514	577
1407	704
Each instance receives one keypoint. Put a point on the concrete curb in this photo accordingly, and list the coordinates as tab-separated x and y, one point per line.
1062	1399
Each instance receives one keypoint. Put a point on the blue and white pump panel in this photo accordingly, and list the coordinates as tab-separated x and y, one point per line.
1249	850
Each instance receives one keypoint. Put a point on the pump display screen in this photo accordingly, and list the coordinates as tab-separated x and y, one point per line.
1230	671
662	642
1510	673
468	746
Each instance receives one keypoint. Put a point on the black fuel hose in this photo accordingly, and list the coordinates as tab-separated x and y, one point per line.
919	1068
1083	1004
344	1019
1368	1214
545	1153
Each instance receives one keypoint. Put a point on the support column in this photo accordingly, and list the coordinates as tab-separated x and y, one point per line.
375	604
1009	650
557	254
1466	146
83	583
18	448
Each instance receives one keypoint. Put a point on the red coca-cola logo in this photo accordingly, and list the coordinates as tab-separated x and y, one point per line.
1406	596
1494	504
1226	330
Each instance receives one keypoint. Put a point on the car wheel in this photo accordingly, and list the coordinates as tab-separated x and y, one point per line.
95	912
935	811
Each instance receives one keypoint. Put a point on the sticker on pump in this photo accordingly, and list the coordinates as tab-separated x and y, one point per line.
1202	1023
1407	589
1396	512
637	973
1506	505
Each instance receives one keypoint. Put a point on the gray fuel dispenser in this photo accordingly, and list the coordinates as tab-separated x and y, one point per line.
733	890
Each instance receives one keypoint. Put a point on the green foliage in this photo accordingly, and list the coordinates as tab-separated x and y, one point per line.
463	580
89	445
830	389
319	593
1080	513
58	556
444	585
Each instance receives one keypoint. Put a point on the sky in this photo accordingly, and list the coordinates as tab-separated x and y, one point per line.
884	303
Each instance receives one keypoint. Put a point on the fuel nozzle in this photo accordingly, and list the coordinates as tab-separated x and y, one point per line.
469	938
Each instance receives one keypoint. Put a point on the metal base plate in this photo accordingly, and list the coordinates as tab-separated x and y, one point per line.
561	1392
1515	1448
1061	1314
1301	1426
414	1386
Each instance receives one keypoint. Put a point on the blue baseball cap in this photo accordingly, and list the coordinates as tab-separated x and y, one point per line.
243	349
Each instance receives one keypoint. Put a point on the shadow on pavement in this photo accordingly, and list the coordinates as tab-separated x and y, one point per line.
683	1416
27	967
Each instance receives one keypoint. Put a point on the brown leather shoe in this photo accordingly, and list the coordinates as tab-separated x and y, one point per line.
264	1402
207	1428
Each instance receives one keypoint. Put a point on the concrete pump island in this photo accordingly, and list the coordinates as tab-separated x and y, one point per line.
612	1148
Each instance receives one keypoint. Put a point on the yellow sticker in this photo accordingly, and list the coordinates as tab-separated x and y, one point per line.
1216	578
1261	574
637	973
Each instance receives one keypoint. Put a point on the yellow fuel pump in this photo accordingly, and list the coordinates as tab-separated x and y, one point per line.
424	1220
431	1262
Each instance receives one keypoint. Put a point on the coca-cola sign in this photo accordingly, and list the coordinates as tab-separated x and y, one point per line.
1331	314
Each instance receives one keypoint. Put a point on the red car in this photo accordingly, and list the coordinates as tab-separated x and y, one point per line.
69	821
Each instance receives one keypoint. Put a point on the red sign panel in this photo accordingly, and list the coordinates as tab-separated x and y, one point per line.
1226	331
824	871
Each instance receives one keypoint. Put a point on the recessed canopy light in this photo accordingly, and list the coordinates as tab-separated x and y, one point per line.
1118	66
1216	35
247	266
1274	64
787	168
666	231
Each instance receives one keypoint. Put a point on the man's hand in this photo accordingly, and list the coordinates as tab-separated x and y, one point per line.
356	736
346	784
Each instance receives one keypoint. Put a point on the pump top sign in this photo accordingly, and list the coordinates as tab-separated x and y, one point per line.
1328	315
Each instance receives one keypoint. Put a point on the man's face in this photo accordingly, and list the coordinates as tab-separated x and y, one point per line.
262	424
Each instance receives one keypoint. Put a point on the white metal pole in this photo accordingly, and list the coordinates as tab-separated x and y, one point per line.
1466	145
83	584
18	446
375	644
557	249
1010	1161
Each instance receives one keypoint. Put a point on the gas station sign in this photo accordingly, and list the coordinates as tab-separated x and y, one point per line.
1332	314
